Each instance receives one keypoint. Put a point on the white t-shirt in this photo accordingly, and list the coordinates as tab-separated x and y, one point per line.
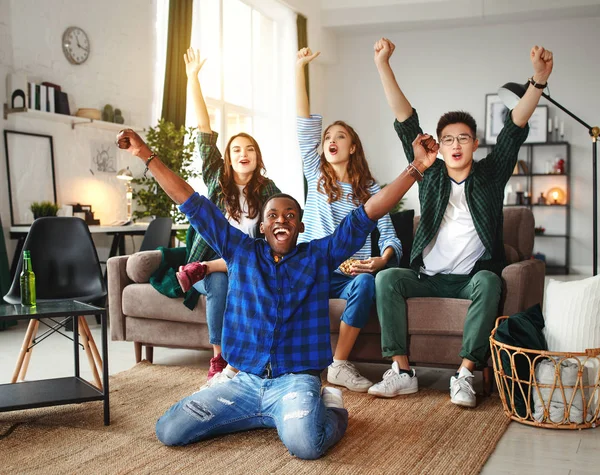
457	246
246	224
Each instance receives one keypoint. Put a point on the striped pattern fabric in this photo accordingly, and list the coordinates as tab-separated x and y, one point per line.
277	314
320	217
484	189
212	169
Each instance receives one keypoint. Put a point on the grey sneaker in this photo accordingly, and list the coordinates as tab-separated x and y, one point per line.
461	389
345	374
332	397
395	383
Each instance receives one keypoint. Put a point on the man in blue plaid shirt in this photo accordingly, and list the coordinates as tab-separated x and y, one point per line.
276	325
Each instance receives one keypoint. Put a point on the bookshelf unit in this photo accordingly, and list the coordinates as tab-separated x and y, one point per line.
539	159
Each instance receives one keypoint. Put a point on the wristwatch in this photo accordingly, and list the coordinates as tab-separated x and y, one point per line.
414	172
537	84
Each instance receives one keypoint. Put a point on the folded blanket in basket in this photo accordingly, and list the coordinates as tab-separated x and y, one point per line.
553	399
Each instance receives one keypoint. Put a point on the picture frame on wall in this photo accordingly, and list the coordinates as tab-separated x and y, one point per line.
495	116
30	172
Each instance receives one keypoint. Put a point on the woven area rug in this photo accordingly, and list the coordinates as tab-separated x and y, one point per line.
420	433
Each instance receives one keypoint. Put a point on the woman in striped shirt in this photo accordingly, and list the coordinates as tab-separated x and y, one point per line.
238	186
339	180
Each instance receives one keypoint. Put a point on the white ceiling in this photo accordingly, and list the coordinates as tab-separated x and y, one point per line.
361	16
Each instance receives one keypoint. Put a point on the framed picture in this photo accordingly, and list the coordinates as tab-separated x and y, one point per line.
30	172
495	115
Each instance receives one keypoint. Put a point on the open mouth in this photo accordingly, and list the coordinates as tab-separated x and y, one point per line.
333	149
244	162
281	234
457	156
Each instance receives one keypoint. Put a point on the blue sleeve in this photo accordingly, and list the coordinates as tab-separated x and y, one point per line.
209	222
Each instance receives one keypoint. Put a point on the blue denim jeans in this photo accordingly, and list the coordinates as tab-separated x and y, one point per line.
214	286
359	293
291	404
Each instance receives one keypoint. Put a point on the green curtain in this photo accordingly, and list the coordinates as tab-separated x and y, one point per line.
178	41
4	277
303	43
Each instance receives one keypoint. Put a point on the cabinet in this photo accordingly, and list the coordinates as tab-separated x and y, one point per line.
534	177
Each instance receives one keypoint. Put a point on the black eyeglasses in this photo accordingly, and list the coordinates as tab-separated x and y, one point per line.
462	139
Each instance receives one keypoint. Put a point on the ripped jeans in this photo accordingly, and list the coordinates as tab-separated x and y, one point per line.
291	404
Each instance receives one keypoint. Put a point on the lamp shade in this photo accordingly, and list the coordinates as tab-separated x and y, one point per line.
125	174
511	92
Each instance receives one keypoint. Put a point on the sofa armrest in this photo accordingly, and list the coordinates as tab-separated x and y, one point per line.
523	284
141	265
117	281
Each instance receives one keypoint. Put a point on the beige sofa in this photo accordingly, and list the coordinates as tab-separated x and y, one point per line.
139	314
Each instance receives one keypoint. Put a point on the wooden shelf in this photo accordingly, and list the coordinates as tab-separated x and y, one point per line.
67	119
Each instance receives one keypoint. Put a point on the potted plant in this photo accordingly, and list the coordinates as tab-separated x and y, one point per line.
175	148
43	208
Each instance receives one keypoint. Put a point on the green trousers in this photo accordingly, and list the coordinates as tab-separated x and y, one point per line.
394	286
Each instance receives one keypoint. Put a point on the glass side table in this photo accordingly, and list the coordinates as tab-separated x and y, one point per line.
57	391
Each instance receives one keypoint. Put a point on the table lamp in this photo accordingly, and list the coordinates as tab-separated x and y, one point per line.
126	175
510	94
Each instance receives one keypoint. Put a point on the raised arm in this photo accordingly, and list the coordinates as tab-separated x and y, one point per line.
177	189
382	202
396	99
193	64
542	62
305	56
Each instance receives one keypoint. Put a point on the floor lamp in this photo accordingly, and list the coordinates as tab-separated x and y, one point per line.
510	94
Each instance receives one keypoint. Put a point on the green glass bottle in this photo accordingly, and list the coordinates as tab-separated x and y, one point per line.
27	280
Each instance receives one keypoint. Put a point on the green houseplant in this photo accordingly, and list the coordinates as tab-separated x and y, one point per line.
43	208
175	148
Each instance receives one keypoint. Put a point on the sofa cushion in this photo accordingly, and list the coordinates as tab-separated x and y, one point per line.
403	225
141	265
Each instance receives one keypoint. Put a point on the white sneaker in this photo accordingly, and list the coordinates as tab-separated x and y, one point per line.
223	377
332	397
461	389
345	374
395	383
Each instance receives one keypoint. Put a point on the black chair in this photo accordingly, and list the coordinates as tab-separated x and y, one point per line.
157	234
66	267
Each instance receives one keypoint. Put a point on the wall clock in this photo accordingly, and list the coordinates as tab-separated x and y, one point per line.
76	45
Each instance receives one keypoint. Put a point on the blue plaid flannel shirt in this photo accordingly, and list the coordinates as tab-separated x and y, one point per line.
277	313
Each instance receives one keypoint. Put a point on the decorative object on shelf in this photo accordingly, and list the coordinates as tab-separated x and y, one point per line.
175	147
541	199
523	168
85	212
89	113
16	90
108	115
527	198
76	45
540	230
556	196
119	117
43	208
30	172
495	116
520	198
559	166
540	256
510	94
103	157
126	175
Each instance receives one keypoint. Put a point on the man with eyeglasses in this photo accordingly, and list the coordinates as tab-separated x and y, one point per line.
458	249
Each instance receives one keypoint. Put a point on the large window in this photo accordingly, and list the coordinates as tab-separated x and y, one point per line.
247	80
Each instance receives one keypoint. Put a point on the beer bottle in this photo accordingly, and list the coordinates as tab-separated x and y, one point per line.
27	280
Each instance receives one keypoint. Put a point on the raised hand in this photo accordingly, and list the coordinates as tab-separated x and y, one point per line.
543	62
425	149
305	56
193	63
384	49
128	140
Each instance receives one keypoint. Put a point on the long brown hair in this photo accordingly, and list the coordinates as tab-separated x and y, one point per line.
252	190
358	171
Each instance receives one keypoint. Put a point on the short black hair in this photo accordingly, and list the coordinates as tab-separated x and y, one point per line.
457	117
280	195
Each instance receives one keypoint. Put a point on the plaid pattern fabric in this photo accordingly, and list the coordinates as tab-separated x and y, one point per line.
212	169
277	314
484	190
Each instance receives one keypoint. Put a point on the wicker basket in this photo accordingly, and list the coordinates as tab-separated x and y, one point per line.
549	404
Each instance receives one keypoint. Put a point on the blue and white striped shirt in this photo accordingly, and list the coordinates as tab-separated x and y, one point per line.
276	313
320	217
